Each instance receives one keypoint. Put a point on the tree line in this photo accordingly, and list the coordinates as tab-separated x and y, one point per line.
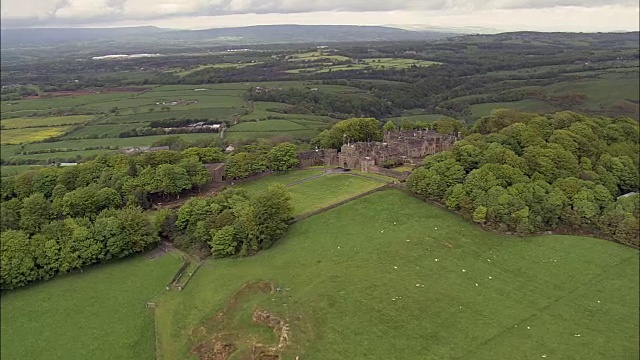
528	173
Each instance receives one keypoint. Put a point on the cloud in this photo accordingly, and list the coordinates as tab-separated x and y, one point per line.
30	13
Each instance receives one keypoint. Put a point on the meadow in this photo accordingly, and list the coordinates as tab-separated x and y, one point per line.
97	314
390	277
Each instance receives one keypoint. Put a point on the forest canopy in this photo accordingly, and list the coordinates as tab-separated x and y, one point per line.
527	173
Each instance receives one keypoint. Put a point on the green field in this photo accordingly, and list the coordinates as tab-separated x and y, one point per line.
349	277
102	131
99	314
19	123
528	105
610	92
183	72
315	56
63	148
372	64
114	113
360	281
29	130
16	169
267	125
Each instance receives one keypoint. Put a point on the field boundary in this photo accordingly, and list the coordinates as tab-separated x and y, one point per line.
155	327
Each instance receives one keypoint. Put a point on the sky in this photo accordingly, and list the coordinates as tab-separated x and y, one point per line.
495	15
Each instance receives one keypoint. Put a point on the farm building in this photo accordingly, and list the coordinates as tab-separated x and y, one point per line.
142	149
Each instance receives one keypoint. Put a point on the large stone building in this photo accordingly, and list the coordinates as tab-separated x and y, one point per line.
400	147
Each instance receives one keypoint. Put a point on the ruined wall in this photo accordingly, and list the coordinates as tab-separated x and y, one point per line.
311	158
216	171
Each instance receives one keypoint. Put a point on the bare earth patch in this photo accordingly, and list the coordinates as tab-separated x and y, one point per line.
225	341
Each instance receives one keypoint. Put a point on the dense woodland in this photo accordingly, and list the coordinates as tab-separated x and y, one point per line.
55	220
526	173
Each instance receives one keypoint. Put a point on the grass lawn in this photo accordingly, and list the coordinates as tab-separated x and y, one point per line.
99	314
327	190
353	287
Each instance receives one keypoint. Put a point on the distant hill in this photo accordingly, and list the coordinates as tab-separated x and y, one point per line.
52	36
307	33
263	34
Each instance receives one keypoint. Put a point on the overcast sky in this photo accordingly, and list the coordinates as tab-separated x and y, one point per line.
500	15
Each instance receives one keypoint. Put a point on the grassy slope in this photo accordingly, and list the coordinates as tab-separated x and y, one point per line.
528	105
340	269
99	314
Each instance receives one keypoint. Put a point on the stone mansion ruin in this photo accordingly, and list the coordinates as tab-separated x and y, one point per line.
399	147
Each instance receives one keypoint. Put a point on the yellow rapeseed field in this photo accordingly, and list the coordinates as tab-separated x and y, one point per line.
29	135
